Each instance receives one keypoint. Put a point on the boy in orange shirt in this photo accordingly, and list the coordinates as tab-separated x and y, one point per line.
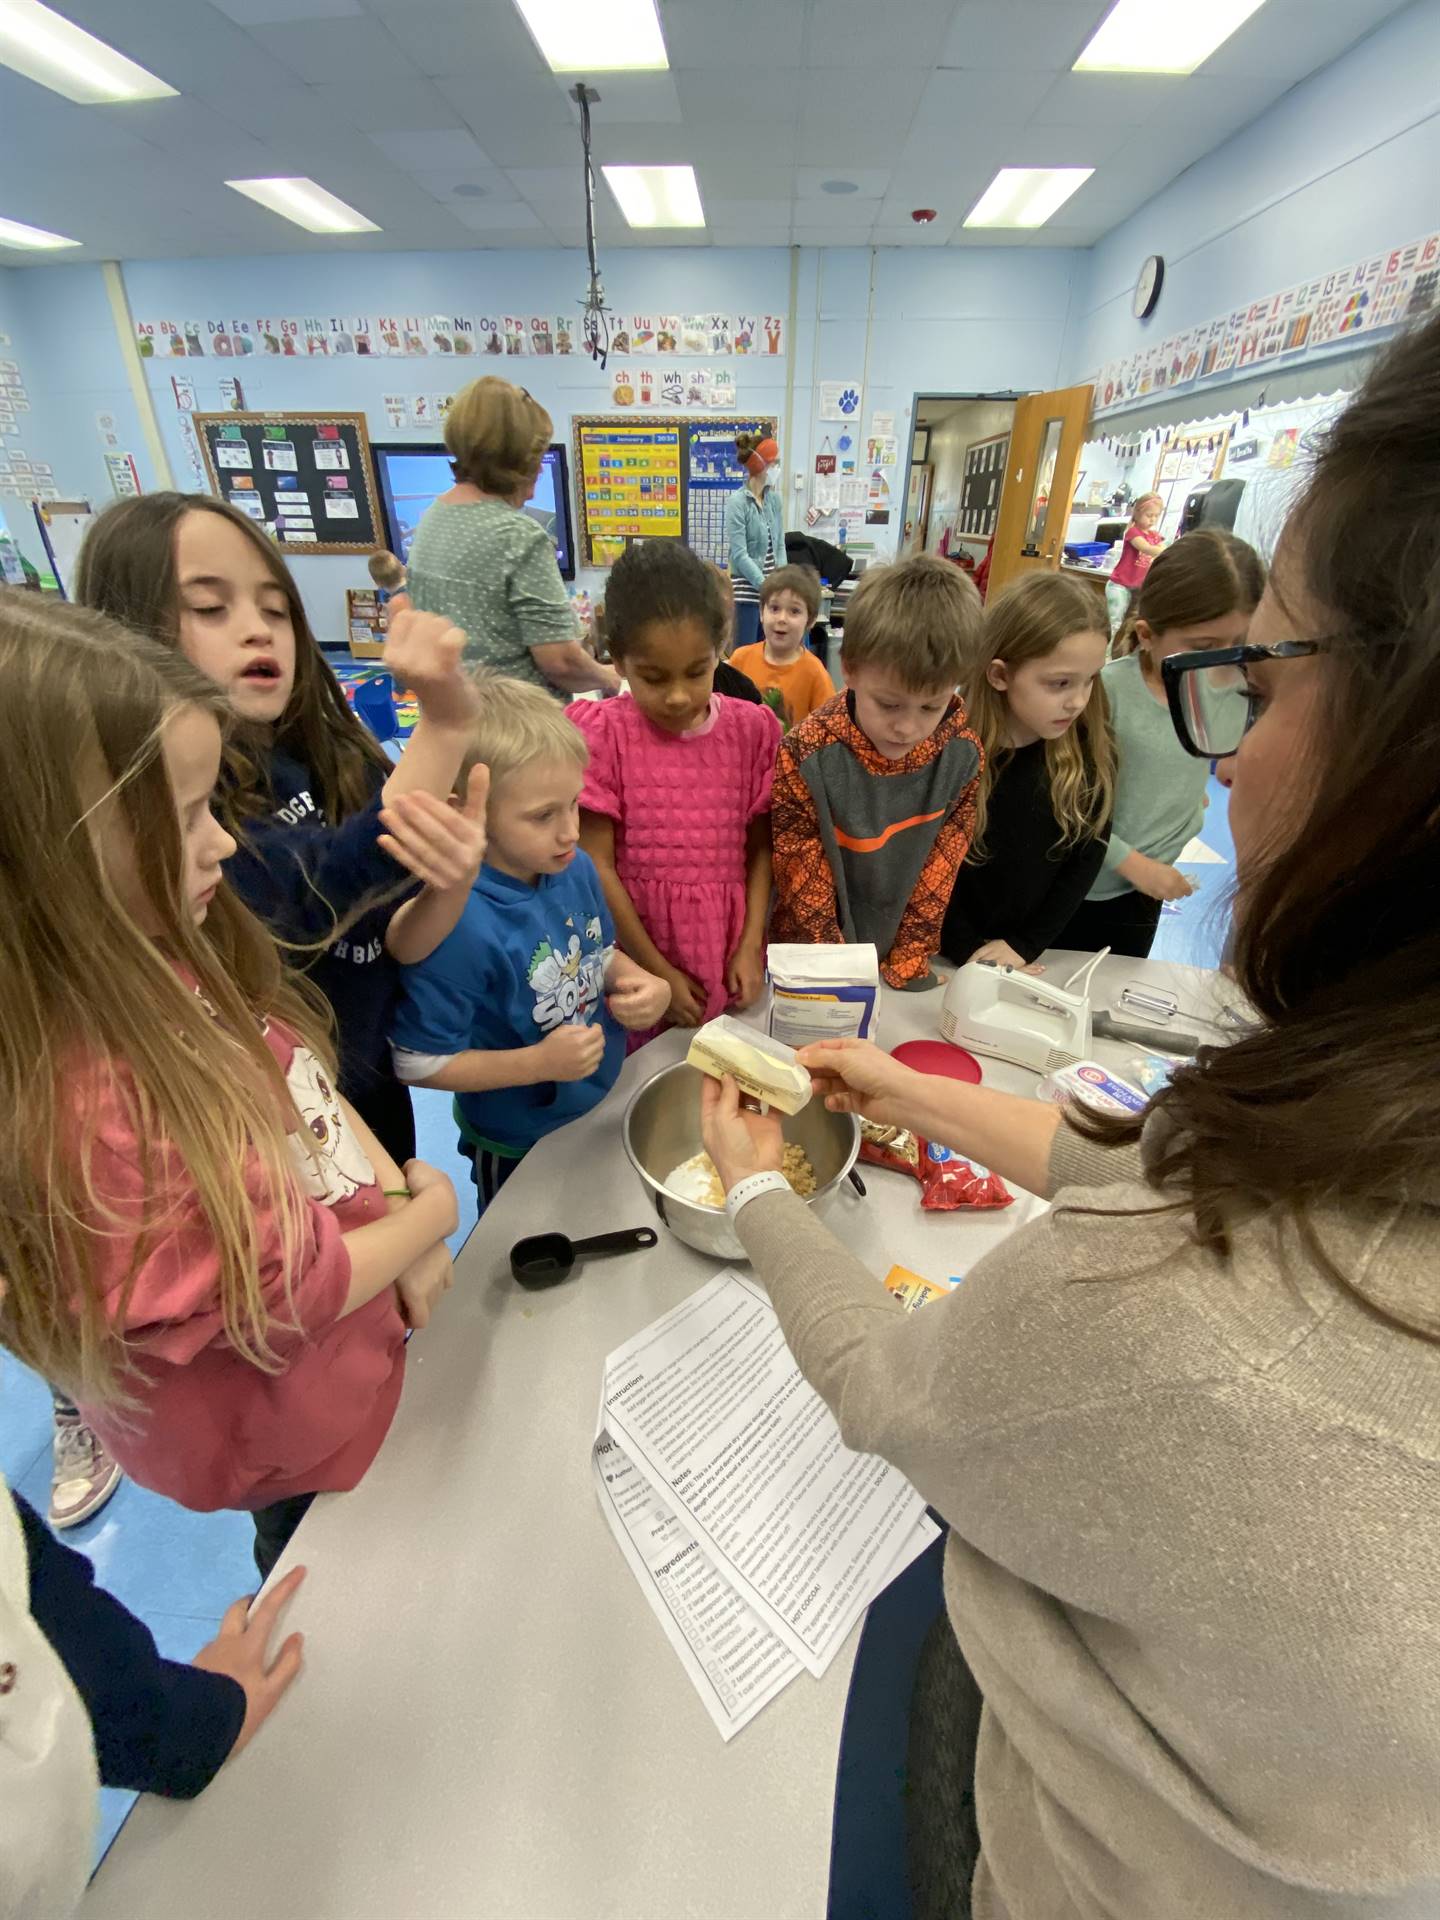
782	664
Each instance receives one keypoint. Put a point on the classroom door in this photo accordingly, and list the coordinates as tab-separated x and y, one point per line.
1039	483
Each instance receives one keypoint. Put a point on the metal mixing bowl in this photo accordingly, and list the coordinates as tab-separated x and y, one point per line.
662	1129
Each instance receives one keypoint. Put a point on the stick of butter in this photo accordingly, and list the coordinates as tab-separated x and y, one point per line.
765	1069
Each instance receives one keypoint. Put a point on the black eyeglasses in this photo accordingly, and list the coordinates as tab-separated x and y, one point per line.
1211	702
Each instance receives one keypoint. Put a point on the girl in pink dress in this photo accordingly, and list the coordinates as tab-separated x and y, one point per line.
675	809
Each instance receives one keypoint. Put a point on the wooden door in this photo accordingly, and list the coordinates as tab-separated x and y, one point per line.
1039	483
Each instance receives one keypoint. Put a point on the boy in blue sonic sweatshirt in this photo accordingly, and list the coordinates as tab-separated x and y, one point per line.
519	1011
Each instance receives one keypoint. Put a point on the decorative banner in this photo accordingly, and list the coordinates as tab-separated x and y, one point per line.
1386	290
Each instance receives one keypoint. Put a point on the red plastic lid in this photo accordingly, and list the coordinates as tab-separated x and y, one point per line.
939	1057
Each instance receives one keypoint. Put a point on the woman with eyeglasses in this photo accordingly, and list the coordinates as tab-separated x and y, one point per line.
480	560
1185	1427
1200	593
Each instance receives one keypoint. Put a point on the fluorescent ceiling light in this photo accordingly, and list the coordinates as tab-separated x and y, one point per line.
307	204
1025	196
15	233
61	56
657	196
1162	36
597	36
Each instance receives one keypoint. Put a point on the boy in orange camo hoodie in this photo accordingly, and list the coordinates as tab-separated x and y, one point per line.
874	798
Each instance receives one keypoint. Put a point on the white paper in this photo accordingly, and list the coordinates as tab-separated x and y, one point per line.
1197	854
736	1664
711	1406
882	423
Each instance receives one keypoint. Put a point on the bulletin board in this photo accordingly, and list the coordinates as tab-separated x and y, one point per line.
711	475
984	472
655	479
306	476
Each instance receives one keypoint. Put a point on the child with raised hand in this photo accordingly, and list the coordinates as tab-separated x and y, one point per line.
789	676
675	806
328	827
1200	593
203	1244
874	802
1139	546
519	1012
1042	812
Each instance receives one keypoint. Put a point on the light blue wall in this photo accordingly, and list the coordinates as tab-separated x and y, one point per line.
1345	164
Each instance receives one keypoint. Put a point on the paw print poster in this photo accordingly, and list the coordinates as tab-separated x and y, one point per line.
839	399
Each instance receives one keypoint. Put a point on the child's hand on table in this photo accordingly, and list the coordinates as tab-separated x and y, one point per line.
738	1141
241	1651
422	1283
745	975
423	651
569	1053
1001	954
441	844
687	999
638	1000
855	1076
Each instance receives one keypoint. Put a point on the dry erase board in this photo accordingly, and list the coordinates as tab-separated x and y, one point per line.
305	476
659	477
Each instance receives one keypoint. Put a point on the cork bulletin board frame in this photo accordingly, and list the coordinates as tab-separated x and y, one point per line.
308	477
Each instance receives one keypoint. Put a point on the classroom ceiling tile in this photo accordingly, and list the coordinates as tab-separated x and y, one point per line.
753	215
861	34
700	34
826	184
271	13
482	216
954	102
739	98
433	151
637	99
1085	99
451	37
461	187
1039	34
337	52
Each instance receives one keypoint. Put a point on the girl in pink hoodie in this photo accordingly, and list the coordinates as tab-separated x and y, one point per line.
202	1241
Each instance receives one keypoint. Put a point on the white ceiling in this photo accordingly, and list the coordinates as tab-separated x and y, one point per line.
439	120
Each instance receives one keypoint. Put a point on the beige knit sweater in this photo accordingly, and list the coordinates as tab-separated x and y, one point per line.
1194	1558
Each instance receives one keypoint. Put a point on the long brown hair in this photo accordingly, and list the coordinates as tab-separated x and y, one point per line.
1337	936
127	569
101	1025
1205	576
1028	621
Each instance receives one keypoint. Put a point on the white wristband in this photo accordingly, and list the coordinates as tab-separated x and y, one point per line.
751	1188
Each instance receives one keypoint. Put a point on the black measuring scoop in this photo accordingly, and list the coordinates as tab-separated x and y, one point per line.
545	1259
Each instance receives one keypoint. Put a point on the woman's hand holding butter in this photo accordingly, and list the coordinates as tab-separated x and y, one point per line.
737	1139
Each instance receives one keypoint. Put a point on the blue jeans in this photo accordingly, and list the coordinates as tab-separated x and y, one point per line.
747	622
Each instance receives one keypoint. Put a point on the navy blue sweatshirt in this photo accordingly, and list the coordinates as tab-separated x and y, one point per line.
299	874
160	1726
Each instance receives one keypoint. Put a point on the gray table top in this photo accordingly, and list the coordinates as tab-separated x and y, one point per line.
491	1721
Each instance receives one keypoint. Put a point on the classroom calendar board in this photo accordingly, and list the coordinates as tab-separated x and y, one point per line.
711	476
305	476
655	479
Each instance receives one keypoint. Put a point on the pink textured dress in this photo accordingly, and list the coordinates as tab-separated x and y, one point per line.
681	804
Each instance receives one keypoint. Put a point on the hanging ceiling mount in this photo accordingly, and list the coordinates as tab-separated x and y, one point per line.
594	317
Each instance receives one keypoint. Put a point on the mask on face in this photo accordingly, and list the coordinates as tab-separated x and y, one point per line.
772	476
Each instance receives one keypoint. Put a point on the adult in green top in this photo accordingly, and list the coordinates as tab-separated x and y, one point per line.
1200	593
1184	1427
482	562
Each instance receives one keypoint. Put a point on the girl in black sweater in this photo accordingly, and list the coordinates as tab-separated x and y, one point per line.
1043	819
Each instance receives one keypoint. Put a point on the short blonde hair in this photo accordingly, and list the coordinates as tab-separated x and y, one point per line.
518	723
497	435
919	619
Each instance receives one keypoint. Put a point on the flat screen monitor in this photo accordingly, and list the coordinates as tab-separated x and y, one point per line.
413	474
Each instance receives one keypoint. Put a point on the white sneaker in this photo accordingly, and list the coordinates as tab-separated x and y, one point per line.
83	1476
